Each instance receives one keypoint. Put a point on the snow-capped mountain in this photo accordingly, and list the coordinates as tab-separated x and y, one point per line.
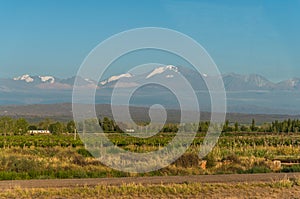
163	69
130	80
167	72
25	78
115	78
49	79
245	93
35	79
38	80
232	81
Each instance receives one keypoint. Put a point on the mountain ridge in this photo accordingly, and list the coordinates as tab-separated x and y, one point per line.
250	93
232	81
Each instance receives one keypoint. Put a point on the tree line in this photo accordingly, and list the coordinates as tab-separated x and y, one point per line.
20	126
285	126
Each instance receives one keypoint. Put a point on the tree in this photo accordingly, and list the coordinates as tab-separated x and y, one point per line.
21	126
56	128
253	126
236	126
45	124
226	127
32	127
107	125
170	128
71	127
244	128
6	125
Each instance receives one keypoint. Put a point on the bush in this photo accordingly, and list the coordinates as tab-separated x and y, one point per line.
79	160
232	158
84	152
211	160
294	168
259	169
187	160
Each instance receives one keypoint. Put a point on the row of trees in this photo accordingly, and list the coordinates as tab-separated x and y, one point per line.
236	127
286	126
9	126
20	126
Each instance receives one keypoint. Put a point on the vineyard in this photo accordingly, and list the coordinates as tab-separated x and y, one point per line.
241	148
62	156
28	141
162	139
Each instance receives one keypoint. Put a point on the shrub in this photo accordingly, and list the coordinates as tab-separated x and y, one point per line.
232	158
187	160
259	169
291	169
84	152
211	160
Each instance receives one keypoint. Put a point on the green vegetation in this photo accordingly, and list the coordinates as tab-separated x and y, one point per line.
62	155
11	126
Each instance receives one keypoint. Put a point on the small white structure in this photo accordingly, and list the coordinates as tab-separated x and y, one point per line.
39	131
129	130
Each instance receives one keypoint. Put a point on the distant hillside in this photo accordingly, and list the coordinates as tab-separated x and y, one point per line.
63	112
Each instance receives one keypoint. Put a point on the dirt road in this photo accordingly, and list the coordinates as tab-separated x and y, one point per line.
233	178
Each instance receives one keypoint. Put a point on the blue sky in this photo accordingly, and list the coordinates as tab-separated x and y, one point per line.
54	36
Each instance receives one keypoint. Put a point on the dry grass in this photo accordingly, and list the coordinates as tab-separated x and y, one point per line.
277	189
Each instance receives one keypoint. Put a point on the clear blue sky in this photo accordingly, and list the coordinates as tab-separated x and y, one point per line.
54	36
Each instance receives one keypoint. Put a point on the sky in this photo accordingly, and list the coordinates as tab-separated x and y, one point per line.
53	37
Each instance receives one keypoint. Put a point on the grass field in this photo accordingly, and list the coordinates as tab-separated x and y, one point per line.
284	188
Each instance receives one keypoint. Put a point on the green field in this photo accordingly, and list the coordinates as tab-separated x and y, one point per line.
241	148
60	156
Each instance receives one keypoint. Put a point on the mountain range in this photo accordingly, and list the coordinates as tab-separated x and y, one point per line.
251	93
232	81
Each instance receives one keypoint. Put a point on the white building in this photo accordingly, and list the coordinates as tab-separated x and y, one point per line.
39	131
129	130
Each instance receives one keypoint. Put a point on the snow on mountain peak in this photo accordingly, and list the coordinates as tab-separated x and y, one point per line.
156	71
47	78
89	80
116	77
103	82
25	78
162	69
